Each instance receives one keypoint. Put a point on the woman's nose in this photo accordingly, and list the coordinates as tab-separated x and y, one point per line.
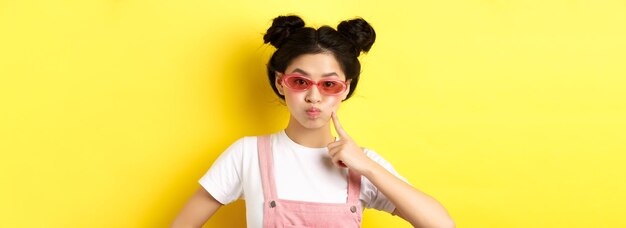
313	95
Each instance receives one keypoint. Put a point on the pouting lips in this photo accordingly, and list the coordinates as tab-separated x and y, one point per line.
313	112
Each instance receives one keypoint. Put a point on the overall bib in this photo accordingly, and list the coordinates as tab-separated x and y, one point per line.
291	213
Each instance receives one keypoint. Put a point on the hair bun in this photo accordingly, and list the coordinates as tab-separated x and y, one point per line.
359	32
281	28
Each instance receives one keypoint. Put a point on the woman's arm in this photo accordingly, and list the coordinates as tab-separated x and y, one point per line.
200	207
411	204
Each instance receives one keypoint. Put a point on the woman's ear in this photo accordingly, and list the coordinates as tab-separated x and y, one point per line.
278	77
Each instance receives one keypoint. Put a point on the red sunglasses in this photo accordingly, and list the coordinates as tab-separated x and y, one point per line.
299	83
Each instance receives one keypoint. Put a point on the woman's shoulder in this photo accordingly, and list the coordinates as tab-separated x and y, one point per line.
378	158
248	141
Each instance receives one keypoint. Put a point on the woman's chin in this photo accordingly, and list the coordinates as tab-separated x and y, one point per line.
313	123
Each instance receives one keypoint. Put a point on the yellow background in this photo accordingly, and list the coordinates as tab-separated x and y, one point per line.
510	113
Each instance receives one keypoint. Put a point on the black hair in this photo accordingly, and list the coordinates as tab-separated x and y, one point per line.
292	39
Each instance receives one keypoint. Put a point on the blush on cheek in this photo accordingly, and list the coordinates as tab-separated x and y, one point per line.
335	104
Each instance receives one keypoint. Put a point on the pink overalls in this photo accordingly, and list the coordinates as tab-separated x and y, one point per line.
291	213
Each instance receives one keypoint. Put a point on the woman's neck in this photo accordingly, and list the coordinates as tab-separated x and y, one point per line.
309	137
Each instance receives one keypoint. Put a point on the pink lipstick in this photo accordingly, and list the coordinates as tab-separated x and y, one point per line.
313	112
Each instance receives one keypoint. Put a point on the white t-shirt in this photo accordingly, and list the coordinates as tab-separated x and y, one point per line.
301	173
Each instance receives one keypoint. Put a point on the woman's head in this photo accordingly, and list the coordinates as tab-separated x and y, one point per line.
292	40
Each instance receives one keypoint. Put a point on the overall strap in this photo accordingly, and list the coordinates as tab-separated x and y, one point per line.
266	163
354	187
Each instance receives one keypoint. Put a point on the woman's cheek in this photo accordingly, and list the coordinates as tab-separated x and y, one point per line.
335	102
292	99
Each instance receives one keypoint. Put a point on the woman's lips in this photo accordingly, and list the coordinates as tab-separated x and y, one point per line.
313	112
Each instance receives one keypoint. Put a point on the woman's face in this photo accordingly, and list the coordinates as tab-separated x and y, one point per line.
303	105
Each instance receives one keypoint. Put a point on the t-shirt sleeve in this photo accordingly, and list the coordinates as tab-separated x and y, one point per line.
370	194
223	180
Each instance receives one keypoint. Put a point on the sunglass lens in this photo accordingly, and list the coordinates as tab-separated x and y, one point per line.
332	87
297	83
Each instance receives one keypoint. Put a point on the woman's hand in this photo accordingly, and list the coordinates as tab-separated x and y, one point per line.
346	153
411	204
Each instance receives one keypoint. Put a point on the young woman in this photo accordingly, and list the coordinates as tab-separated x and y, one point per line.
302	176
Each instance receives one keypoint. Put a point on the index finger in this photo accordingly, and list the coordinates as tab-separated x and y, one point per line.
342	133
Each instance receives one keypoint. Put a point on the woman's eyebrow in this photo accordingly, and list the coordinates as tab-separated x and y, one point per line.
298	70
